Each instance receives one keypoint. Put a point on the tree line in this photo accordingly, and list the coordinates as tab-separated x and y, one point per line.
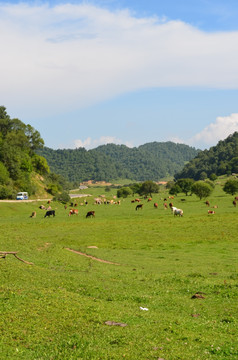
152	161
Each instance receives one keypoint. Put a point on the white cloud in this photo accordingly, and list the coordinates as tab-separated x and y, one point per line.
219	130
176	140
90	143
71	56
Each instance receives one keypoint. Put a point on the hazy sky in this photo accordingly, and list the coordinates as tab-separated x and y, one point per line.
85	73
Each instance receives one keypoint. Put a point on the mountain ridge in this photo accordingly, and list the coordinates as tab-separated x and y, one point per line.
150	161
219	160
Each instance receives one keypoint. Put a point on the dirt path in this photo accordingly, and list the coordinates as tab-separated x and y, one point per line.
91	257
21	201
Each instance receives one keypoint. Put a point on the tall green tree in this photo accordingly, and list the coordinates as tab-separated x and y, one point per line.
175	190
185	185
148	188
201	189
231	186
135	188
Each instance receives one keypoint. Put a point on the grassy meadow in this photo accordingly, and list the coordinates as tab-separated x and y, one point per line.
58	307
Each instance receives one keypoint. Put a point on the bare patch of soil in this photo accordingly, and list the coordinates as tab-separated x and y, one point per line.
91	257
45	246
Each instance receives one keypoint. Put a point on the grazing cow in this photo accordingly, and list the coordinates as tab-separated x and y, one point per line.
132	201
170	205
176	211
215	206
75	205
234	203
49	201
42	207
140	206
49	212
149	199
207	203
65	207
211	212
73	212
156	205
138	200
165	206
236	198
90	213
33	215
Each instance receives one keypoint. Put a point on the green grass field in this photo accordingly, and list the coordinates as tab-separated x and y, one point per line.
58	307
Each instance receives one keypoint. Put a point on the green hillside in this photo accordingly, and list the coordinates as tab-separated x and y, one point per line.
19	163
21	168
219	160
151	161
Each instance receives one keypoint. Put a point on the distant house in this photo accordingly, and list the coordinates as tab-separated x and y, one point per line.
83	187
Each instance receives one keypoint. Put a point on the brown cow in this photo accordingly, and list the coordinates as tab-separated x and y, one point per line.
207	203
165	206
139	206
234	203
156	205
33	214
90	213
73	212
149	199
211	212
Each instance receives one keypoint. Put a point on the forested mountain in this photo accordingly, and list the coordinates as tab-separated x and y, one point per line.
18	159
21	168
219	160
151	161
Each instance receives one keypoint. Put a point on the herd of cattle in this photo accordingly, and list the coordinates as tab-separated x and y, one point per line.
73	211
50	212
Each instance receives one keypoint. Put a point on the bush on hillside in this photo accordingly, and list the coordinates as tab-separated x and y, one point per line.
62	197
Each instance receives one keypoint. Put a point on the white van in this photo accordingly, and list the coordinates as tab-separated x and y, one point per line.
22	196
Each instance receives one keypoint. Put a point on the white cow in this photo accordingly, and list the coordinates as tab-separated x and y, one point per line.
177	211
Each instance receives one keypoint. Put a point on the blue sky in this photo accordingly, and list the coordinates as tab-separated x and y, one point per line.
128	72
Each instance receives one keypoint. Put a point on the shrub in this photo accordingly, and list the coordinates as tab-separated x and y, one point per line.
7	192
124	192
62	197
